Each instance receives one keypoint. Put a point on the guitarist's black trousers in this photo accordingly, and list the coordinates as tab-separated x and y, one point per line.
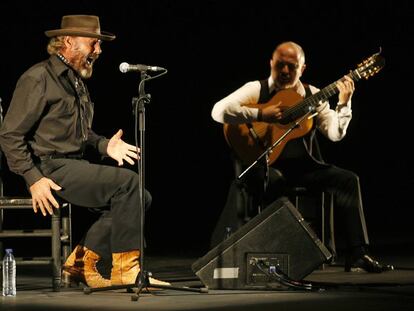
316	177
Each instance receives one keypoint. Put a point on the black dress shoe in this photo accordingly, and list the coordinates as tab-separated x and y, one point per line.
368	264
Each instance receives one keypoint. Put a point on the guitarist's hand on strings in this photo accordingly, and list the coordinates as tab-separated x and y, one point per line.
346	88
270	114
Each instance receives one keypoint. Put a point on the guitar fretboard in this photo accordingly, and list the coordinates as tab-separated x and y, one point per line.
310	103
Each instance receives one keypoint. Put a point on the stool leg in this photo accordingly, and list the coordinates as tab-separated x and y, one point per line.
56	252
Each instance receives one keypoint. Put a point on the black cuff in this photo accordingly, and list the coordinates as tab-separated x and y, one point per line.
260	115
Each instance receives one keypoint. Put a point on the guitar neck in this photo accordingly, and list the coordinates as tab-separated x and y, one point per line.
329	90
310	103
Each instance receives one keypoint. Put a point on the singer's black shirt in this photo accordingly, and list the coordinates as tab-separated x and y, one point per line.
50	114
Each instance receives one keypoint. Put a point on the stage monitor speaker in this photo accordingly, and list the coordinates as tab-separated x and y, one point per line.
276	236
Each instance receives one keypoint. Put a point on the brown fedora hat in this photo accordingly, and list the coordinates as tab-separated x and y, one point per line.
81	26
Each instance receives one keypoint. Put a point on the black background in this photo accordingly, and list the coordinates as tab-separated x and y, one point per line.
210	48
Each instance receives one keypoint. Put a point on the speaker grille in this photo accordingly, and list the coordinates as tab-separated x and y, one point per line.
278	234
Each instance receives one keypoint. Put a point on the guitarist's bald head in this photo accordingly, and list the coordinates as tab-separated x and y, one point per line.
291	45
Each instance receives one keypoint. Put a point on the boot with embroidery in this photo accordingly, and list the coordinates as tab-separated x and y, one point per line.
80	267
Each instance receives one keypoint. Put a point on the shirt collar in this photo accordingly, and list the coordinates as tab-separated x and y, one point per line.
58	65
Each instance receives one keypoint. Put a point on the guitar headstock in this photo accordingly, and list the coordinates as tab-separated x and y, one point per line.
370	66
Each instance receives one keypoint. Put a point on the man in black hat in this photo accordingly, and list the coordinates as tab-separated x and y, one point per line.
44	136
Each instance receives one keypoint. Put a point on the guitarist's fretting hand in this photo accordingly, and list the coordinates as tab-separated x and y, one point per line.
346	88
271	113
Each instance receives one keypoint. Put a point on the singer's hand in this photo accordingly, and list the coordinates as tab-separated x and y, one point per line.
120	150
42	197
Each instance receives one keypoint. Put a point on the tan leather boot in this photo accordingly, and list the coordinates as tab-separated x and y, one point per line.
81	267
125	267
73	268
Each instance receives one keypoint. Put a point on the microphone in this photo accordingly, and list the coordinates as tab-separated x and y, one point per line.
125	67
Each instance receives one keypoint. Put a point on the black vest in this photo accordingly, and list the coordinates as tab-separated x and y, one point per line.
305	147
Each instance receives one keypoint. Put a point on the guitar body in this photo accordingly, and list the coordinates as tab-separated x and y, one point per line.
248	147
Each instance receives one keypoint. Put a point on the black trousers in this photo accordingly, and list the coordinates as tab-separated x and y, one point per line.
343	184
100	186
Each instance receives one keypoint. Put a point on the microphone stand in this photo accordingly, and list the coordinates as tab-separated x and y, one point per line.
266	153
265	156
139	106
142	281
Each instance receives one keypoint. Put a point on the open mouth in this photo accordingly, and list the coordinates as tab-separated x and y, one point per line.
90	60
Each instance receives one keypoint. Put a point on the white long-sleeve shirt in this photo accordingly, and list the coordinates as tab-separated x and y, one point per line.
232	109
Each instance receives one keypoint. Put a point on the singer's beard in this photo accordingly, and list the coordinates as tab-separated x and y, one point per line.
86	73
83	65
85	69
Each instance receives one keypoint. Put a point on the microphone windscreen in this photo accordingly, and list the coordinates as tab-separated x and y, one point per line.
123	67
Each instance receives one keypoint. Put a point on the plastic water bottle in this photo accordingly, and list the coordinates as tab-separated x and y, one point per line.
9	273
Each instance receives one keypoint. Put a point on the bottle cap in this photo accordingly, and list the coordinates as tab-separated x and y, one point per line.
9	250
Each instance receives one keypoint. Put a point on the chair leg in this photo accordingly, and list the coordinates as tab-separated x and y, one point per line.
323	222
329	241
323	218
66	236
56	251
332	245
1	228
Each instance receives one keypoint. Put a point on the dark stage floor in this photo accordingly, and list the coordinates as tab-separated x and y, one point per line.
392	290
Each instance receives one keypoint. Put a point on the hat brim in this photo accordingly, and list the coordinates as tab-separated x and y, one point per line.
106	36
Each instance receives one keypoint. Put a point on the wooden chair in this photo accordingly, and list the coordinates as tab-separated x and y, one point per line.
59	232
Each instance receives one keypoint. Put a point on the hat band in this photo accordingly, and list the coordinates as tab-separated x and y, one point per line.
87	29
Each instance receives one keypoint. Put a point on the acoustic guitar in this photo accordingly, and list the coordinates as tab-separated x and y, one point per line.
250	140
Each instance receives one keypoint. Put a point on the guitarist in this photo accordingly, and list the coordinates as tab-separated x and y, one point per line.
298	164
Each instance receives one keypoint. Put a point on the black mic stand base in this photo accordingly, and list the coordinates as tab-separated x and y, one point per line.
142	282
